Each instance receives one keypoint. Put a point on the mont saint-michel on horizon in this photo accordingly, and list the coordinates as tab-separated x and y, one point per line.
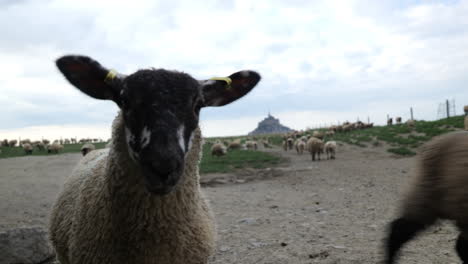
270	125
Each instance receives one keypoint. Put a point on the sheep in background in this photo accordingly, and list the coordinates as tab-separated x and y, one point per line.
218	149
25	141
251	145
140	200
266	144
236	144
12	143
40	146
28	148
300	147
54	148
87	148
389	121
315	147
438	192
398	120
411	123
73	140
330	149
46	141
66	141
290	142
5	143
318	134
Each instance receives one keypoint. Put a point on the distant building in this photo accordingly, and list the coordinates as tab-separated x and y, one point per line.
270	125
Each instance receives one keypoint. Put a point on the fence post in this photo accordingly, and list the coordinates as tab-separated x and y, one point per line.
448	108
411	112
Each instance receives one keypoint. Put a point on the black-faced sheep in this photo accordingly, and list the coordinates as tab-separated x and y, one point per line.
398	120
330	149
86	148
439	192
218	149
389	121
28	148
315	147
140	201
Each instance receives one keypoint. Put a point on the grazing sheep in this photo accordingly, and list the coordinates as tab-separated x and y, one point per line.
28	148
251	145
40	146
12	143
439	192
410	123
315	147
236	144
218	149
87	148
330	149
54	148
140	200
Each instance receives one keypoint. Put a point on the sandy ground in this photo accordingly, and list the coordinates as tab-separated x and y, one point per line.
332	211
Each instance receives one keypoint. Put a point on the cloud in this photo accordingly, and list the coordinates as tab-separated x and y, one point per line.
329	59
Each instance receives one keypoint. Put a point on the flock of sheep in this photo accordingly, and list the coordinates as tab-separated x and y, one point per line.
220	148
44	145
314	143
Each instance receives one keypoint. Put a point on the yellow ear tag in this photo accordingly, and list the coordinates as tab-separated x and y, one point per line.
226	79
110	76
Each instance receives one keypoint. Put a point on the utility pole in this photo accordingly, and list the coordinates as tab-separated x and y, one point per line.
448	108
411	112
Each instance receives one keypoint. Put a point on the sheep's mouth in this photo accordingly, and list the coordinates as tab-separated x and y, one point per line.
160	183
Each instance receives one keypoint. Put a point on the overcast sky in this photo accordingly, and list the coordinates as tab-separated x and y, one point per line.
321	61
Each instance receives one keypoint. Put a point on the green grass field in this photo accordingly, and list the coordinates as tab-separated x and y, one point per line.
235	159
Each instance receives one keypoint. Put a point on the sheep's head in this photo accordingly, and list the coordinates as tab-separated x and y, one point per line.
160	109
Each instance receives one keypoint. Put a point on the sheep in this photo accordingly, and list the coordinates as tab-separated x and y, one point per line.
12	142
236	144
25	141
300	147
218	149
398	120
28	148
410	123
87	148
251	144
4	143
46	141
54	148
290	142
389	121
66	141
330	149
438	192
318	134
266	144
140	201
315	146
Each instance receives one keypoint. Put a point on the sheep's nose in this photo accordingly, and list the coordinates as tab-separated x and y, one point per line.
161	176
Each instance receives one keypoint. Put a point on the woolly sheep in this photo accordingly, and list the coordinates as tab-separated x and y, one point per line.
28	148
410	123
140	200
439	192
290	142
318	134
12	143
330	149
40	146
398	120
87	148
315	147
251	145
46	141
54	148
218	149
236	144
300	147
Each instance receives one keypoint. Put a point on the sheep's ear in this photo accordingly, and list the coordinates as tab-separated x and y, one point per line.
90	77
222	91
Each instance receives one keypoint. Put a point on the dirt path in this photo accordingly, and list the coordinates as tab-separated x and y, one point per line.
332	211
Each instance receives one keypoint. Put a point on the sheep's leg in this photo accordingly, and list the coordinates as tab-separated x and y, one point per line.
313	156
462	247
401	231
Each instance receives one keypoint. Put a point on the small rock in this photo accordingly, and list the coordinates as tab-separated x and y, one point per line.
25	245
283	244
273	207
